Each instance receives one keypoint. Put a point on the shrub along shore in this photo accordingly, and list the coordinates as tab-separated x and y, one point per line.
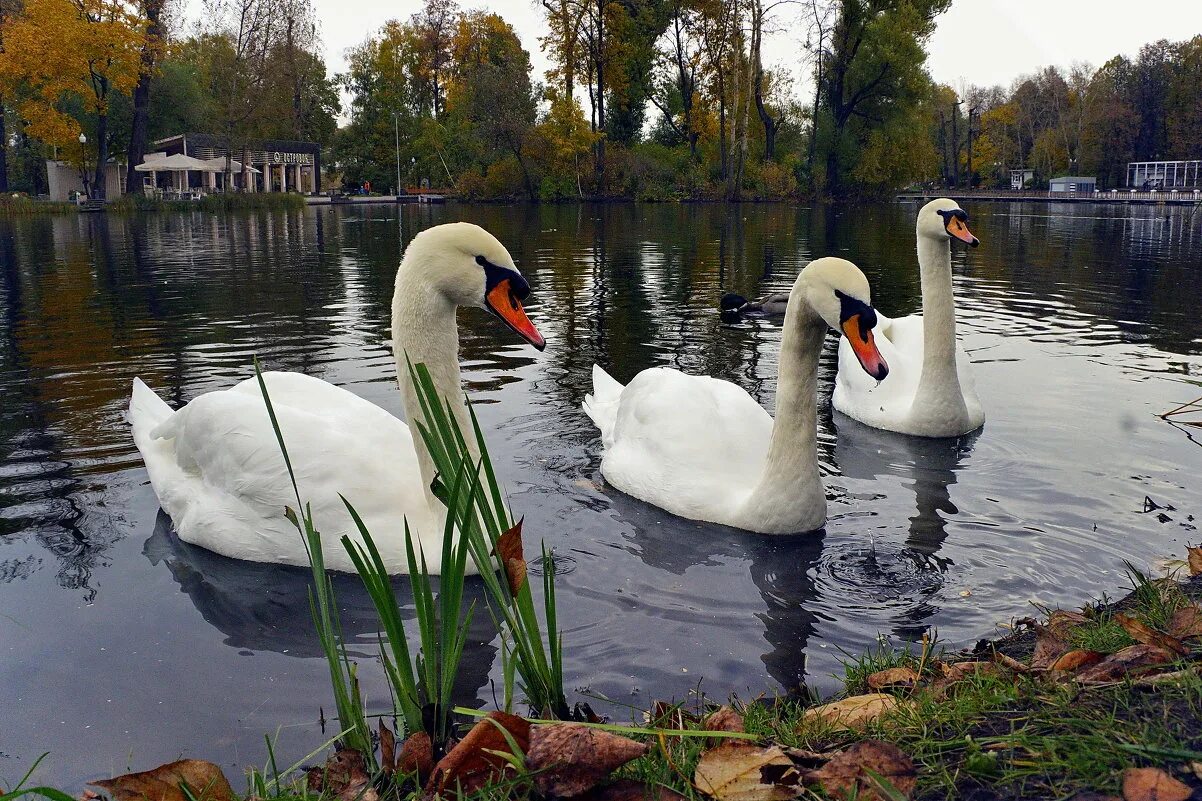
276	201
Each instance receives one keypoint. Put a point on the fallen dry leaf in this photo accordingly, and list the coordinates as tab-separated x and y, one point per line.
664	715
1062	622
471	763
1152	784
569	758
894	678
725	719
1134	659
854	712
1194	559
1048	647
1010	662
344	776
1076	659
849	774
509	548
1141	632
631	790
387	750
417	755
1186	622
962	670
204	781
741	771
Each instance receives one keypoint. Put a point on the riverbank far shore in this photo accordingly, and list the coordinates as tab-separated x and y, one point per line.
1100	702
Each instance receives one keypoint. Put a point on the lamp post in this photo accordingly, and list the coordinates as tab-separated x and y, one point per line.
83	161
396	129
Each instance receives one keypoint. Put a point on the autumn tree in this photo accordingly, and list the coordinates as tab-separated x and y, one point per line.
153	48
82	49
873	79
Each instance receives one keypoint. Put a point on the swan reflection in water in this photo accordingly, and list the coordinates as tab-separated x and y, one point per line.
265	607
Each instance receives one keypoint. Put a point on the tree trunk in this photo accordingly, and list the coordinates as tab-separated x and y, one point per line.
3	150
600	91
99	189
140	129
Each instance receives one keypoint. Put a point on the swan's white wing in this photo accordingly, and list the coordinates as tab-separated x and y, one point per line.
226	484
859	395
692	445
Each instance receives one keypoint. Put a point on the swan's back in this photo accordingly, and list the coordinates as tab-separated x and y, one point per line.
218	472
693	445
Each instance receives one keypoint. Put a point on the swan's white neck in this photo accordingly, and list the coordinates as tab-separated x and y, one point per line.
939	383
789	497
425	331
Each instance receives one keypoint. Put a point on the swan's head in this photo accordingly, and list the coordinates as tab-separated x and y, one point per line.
838	293
469	267
943	219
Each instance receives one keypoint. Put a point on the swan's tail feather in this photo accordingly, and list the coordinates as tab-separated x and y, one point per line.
146	410
602	405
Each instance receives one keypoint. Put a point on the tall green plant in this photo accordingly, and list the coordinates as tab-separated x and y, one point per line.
425	683
347	699
483	518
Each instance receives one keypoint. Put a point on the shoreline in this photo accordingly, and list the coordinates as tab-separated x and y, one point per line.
1035	714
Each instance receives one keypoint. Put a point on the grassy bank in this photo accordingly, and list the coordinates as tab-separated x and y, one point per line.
128	204
1105	700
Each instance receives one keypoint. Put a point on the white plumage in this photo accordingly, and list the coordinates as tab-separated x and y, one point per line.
702	448
929	390
216	465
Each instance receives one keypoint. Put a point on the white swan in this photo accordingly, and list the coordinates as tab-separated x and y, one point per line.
217	469
929	391
703	449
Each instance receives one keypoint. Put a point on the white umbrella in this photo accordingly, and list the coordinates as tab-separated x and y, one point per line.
175	163
235	165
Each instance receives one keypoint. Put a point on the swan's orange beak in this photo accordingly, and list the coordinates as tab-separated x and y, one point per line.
865	349
502	302
959	229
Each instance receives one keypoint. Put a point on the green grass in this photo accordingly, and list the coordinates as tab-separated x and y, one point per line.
22	206
215	203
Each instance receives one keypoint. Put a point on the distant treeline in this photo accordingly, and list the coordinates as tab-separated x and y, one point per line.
646	99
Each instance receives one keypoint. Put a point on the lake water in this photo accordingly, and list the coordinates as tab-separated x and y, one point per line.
121	647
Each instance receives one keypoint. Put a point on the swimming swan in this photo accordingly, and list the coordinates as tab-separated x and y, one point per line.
703	449
929	392
217	469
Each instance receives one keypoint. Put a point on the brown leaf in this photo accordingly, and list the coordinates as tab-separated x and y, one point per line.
344	776
1010	662
894	678
204	781
1141	632
1062	622
417	755
1132	660
1077	659
631	790
1048	647
1186	622
1152	784
509	548
849	774
569	758
387	750
1195	560
725	719
664	715
471	764
962	670
742	771
854	712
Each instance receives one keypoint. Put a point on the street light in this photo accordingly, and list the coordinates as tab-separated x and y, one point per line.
83	159
396	129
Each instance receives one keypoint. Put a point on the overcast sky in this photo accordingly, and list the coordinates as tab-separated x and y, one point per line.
982	42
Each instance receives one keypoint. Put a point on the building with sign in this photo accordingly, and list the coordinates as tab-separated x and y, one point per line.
272	165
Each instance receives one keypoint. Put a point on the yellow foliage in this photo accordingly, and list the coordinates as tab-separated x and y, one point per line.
58	49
